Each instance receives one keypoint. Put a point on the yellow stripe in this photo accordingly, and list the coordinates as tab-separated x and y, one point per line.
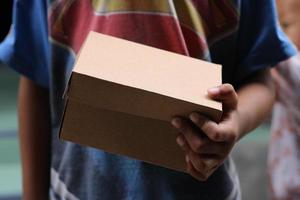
189	16
104	6
187	13
218	15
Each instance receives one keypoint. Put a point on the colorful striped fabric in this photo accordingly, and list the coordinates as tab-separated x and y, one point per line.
183	26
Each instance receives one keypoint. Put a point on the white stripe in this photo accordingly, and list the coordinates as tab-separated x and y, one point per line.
52	195
52	40
174	12
59	187
235	192
52	6
108	13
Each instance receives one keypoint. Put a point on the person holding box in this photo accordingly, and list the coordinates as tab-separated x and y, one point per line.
241	35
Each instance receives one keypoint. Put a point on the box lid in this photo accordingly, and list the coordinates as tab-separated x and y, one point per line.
124	76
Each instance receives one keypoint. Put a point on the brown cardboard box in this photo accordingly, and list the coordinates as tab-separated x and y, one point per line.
122	95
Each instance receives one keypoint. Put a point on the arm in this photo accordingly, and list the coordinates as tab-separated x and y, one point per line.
34	128
256	97
206	143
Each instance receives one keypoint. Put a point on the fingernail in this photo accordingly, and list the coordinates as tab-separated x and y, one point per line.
176	122
194	117
180	141
187	159
214	91
211	164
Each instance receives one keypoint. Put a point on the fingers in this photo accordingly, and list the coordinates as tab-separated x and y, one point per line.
193	136
195	166
216	132
216	150
197	162
209	127
183	143
204	142
200	166
226	94
193	172
192	158
201	174
211	149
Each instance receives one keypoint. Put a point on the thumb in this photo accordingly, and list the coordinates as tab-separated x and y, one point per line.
226	94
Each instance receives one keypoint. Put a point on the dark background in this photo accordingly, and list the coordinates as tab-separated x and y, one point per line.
5	17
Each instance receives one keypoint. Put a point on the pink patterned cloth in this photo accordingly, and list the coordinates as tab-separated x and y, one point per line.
284	150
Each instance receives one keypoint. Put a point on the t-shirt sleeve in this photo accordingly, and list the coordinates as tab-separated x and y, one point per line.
261	42
26	48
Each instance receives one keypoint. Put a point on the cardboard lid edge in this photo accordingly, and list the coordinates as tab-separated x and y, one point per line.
63	118
217	116
216	111
217	105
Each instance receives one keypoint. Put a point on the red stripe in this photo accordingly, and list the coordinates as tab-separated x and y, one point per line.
154	30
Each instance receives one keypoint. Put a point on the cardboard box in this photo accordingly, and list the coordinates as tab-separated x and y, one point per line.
122	95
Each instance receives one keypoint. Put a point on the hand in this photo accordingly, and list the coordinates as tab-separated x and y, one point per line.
206	143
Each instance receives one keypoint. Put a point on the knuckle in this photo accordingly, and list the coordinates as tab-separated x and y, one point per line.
198	165
206	127
228	87
197	146
216	135
204	124
232	135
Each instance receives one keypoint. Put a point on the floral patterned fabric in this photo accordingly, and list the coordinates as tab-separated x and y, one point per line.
284	154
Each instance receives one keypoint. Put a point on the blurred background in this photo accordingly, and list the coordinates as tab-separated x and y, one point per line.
10	169
250	154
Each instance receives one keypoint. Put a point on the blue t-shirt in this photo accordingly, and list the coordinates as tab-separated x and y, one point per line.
242	35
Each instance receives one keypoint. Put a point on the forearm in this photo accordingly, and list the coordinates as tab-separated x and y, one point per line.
34	129
255	100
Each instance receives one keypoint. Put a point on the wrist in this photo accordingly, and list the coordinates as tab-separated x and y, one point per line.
240	125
